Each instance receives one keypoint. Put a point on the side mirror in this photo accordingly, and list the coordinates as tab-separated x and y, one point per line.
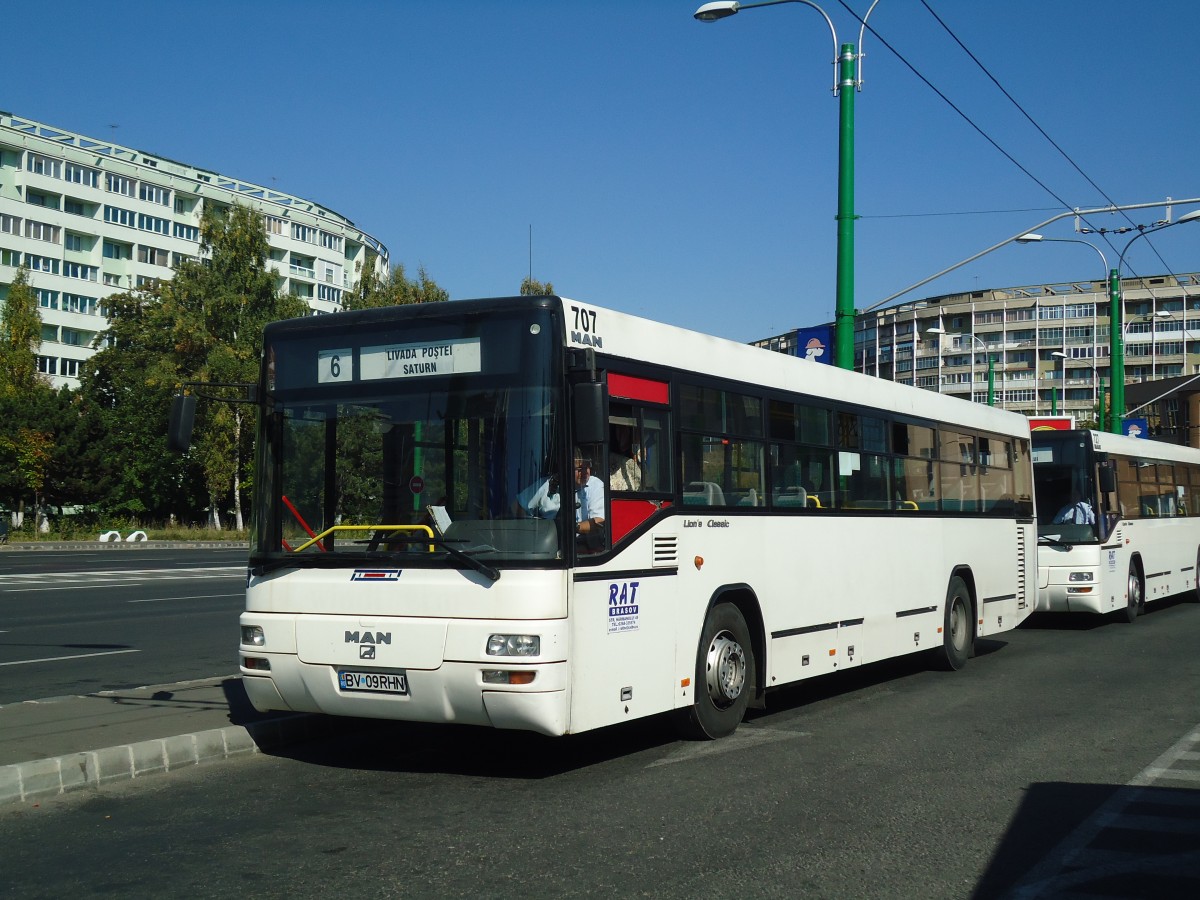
1108	479
179	426
590	425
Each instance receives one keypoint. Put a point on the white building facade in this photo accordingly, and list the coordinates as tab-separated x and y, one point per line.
1047	344
89	218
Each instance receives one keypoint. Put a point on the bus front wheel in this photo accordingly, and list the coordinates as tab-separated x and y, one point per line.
725	675
1135	594
958	629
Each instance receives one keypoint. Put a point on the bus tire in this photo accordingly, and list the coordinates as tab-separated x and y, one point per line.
725	675
1135	594
958	627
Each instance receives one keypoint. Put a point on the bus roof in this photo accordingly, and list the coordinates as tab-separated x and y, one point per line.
1123	445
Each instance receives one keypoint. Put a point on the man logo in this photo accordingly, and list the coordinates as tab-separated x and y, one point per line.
366	651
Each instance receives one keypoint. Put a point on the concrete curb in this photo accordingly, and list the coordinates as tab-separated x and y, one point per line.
44	778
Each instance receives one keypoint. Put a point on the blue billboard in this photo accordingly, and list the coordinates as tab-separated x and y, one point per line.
815	344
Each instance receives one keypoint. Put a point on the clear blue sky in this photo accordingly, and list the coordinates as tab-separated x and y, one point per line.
669	168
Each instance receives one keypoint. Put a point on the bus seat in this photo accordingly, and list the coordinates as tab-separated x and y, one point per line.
703	493
790	497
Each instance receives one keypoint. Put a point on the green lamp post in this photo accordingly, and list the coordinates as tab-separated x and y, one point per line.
846	82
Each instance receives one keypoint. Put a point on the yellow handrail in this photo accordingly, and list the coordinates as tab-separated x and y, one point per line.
334	528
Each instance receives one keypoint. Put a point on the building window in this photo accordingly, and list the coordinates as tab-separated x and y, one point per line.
111	280
77	242
331	241
41	231
42	165
153	256
153	223
47	299
303	233
10	224
85	273
35	263
77	174
115	250
47	365
329	294
77	303
37	198
152	193
75	207
274	225
70	368
187	232
118	184
119	216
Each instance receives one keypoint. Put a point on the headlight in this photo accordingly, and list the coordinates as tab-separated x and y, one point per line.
1081	576
514	645
252	635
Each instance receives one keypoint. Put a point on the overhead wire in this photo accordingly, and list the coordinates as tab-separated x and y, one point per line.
979	129
1053	143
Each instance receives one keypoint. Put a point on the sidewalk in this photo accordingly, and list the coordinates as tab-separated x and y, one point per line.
50	747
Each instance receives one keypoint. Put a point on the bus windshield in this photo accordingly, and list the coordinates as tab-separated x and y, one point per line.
1065	488
410	447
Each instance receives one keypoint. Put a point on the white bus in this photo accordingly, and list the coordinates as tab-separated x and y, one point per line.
1118	521
768	519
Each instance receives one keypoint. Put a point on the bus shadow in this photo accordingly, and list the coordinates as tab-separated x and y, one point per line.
1097	840
413	747
1065	621
418	748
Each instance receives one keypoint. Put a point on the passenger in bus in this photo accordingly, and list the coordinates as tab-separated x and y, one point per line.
1078	511
624	469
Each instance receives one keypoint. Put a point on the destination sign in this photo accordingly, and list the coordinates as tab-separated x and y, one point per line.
450	357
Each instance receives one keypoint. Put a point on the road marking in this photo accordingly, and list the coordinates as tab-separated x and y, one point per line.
192	597
59	581
24	662
1076	867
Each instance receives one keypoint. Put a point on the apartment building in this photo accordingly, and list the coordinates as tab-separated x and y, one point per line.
1047	345
89	218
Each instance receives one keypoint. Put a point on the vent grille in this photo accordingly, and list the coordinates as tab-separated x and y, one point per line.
1022	586
666	550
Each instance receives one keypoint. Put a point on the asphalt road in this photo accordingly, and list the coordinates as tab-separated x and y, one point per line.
1060	762
77	622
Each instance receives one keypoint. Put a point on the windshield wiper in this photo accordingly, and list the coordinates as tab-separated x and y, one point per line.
1053	541
489	572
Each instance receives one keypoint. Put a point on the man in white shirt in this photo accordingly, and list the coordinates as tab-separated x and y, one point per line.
1077	512
543	500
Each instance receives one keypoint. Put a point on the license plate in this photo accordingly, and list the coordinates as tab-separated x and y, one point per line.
373	682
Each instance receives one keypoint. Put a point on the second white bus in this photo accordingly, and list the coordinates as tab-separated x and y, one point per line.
1118	521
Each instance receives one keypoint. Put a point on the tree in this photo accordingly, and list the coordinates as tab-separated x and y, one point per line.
204	325
20	334
26	441
531	287
394	289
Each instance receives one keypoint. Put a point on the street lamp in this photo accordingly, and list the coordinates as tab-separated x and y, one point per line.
1034	238
1058	354
991	394
1116	336
846	81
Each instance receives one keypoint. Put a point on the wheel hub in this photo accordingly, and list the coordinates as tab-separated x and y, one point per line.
725	669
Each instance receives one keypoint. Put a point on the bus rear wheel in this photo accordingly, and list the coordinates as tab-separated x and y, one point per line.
1135	594
725	675
958	628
